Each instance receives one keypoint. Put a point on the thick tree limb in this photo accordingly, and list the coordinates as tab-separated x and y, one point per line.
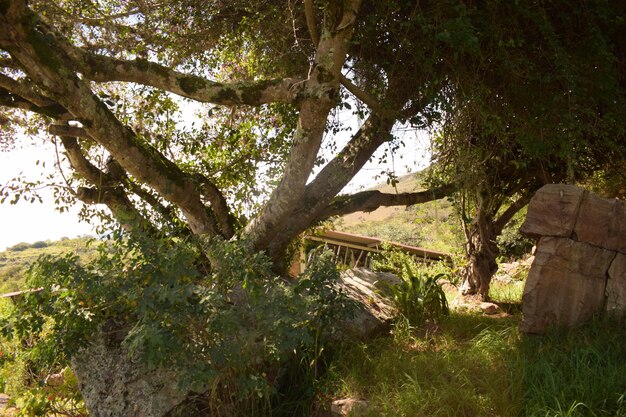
83	166
40	55
24	90
366	98
331	180
121	207
66	130
508	214
320	92
100	68
319	194
8	99
371	200
309	13
219	205
115	178
105	191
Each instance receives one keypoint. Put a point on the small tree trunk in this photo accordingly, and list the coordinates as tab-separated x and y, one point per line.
482	253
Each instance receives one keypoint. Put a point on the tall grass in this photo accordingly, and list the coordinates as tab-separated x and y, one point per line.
446	372
576	373
470	365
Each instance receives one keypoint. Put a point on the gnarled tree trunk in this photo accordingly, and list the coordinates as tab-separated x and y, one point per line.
482	249
482	252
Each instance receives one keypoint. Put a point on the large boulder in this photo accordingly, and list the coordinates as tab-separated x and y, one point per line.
553	211
350	407
563	287
580	265
374	311
616	287
115	383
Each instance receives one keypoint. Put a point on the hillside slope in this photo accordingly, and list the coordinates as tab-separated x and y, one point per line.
430	225
14	262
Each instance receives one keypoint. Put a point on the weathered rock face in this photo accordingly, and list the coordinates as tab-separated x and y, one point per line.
114	384
579	268
374	312
350	407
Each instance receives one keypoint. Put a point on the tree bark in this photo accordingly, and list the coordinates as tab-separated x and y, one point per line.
482	248
320	92
482	252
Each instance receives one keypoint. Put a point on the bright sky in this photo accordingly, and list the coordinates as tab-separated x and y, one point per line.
30	222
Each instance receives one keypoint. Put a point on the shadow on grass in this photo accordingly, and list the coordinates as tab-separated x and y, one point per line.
474	365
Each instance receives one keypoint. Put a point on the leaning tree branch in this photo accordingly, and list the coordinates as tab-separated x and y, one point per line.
368	201
83	166
309	13
100	68
365	97
105	191
332	179
14	101
66	130
121	207
508	214
24	90
41	55
166	212
219	205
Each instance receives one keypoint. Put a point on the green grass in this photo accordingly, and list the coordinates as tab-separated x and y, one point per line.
474	365
457	369
15	260
576	373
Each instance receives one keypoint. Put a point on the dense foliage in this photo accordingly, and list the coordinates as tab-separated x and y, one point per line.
419	296
212	133
234	329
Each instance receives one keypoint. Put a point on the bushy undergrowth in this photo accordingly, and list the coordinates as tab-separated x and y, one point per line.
418	297
262	343
235	330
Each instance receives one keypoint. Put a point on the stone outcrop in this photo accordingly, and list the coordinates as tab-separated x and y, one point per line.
580	263
350	407
374	311
115	383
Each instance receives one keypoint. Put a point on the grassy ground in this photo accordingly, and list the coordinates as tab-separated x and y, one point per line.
15	260
475	365
430	225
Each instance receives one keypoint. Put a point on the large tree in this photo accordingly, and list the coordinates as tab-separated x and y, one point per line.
550	108
80	67
108	81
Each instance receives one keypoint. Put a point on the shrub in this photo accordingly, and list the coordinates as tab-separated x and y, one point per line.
19	247
39	244
419	296
232	329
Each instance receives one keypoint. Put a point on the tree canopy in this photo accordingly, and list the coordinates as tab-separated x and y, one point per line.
209	132
527	85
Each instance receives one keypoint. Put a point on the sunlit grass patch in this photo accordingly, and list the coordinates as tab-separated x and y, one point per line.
506	292
473	365
453	371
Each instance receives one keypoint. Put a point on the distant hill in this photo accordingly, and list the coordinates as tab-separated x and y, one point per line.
431	225
14	262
